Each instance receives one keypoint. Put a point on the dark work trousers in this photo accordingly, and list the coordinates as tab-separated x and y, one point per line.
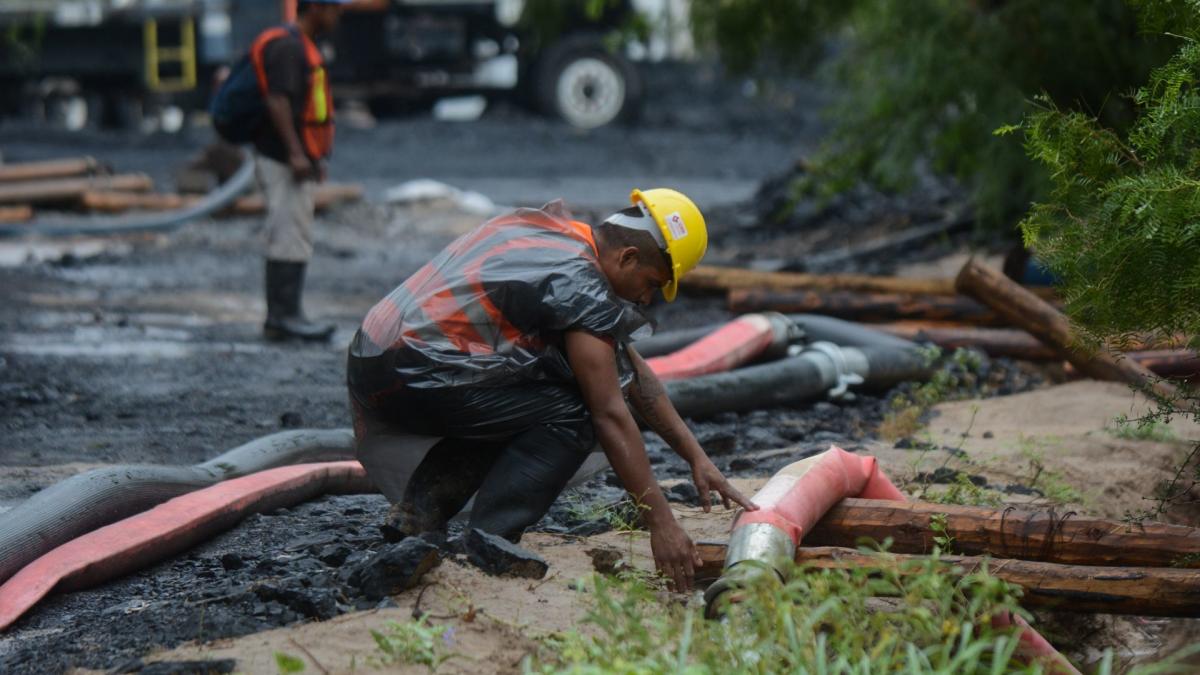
512	447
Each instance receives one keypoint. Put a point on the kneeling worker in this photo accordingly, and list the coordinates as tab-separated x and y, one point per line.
512	346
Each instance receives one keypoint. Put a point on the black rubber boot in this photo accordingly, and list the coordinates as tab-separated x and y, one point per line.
285	317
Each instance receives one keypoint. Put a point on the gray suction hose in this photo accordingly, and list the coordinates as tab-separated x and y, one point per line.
820	328
820	368
153	222
672	341
96	498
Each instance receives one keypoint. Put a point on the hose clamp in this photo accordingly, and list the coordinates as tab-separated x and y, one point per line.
845	377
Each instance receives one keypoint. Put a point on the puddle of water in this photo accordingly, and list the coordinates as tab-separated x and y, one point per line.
149	319
151	349
15	254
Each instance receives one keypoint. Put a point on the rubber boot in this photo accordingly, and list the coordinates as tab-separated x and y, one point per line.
285	316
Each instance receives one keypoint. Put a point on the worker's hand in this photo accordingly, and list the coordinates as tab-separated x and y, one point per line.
708	478
301	166
675	555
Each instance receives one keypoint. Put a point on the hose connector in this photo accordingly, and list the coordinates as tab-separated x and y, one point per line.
755	550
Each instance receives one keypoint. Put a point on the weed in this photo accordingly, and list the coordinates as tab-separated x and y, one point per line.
954	375
286	663
415	642
1050	483
902	421
965	493
818	621
941	533
1145	429
624	515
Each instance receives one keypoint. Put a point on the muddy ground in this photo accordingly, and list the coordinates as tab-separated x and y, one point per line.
147	349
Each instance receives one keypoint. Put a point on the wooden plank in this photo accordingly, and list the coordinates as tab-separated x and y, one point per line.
1025	310
866	307
1144	591
325	195
71	189
18	213
117	202
50	169
719	280
714	279
1049	535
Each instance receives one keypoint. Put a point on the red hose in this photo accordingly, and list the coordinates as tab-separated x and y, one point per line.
732	345
800	494
170	527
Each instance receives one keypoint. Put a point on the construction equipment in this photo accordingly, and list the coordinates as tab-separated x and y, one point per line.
121	62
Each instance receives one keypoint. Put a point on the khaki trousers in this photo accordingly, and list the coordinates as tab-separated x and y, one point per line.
288	231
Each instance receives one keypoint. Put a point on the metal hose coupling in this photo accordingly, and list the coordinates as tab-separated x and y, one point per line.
784	334
756	550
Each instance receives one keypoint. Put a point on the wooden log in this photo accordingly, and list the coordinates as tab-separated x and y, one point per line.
709	278
717	279
1168	362
71	189
1025	310
117	202
50	169
865	307
1009	342
19	213
1144	591
1049	536
325	195
1018	344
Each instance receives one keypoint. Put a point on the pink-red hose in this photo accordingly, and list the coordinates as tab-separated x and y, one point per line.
734	344
170	527
800	494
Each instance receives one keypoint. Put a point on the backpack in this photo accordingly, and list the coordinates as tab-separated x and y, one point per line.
239	108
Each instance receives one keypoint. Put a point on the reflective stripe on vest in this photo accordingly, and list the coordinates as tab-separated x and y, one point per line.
449	307
316	131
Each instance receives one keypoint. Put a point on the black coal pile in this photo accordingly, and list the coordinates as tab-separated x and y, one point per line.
787	226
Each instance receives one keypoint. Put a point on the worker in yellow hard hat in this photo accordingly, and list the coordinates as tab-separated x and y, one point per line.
510	351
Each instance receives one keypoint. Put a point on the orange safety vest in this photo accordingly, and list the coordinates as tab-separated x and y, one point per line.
445	304
316	128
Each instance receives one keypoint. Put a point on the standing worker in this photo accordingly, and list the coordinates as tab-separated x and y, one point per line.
512	346
292	146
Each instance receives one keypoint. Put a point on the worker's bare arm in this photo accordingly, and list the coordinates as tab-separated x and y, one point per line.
279	110
593	362
649	398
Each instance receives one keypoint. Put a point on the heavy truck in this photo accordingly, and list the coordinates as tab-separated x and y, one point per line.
115	63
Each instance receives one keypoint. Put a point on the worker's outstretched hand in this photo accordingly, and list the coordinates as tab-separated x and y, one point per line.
708	478
675	555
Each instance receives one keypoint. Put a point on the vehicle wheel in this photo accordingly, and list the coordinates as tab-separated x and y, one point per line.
581	82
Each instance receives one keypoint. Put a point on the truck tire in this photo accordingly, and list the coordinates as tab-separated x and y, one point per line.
581	82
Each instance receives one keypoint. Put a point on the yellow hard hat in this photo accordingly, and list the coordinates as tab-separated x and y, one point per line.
682	228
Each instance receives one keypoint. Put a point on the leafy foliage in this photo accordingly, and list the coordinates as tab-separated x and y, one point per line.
1120	226
927	81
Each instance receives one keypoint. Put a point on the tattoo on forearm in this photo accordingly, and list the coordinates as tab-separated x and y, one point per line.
646	394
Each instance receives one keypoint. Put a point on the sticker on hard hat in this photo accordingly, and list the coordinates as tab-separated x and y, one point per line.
676	226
